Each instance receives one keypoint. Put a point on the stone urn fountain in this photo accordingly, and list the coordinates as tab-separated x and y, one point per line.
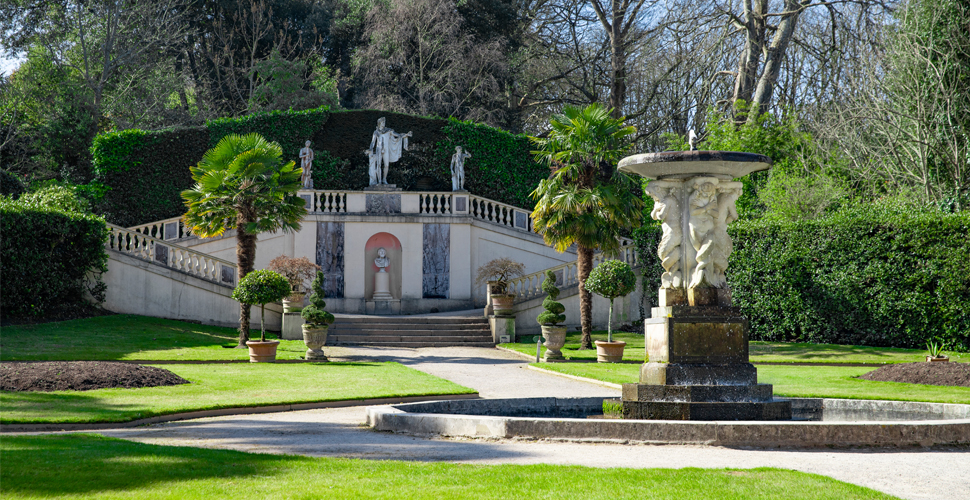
696	341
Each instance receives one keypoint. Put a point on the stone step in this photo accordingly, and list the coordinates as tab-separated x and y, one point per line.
408	326
410	320
418	344
429	333
355	339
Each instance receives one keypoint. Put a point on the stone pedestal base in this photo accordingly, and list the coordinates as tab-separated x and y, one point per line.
383	307
292	326
502	326
383	187
698	368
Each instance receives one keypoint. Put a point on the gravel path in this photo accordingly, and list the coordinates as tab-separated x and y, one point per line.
909	473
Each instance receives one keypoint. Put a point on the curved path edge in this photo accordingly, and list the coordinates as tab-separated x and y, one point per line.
242	410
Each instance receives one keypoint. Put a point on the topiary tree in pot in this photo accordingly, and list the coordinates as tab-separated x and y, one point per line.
261	287
316	321
552	331
611	279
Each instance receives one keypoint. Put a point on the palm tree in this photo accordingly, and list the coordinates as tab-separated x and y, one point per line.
585	201
241	183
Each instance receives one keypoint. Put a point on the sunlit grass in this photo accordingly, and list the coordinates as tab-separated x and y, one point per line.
91	466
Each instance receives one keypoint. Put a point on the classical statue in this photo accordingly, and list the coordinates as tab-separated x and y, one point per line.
382	261
458	169
666	208
692	140
306	163
387	145
373	167
727	213
703	212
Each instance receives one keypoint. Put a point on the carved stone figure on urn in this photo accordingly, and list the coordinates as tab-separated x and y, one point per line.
666	209
703	213
458	168
387	145
306	163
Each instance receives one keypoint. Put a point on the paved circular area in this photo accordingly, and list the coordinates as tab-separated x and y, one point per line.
941	473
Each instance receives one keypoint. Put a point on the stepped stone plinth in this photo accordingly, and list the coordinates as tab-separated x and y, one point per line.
696	342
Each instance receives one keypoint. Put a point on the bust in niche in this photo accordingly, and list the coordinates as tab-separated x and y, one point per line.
382	261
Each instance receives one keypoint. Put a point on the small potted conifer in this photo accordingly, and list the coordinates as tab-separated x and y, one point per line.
553	333
261	287
316	321
611	279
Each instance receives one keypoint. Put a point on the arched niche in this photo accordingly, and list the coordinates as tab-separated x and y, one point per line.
392	246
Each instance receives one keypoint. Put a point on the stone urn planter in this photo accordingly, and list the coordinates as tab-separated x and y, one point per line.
315	337
262	351
937	359
502	303
293	303
609	352
555	338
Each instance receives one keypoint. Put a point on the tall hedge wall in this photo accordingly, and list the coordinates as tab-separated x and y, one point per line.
45	257
870	276
145	171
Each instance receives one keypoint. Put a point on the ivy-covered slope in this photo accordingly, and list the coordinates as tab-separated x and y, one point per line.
145	171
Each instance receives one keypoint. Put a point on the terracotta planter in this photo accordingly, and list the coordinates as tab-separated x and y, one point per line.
609	352
315	337
293	303
941	359
502	303
555	337
262	352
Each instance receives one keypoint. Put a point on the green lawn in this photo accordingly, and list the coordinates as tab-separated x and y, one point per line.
793	381
760	352
225	386
91	466
128	337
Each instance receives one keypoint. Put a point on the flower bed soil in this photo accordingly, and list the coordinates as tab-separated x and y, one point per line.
82	376
923	373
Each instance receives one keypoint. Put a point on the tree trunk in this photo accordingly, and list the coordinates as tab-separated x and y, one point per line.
618	62
245	259
584	264
754	41
773	59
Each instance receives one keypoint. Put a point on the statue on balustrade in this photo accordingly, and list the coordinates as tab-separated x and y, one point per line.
306	163
458	168
387	145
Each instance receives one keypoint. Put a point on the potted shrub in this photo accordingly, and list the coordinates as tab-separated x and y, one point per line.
934	349
553	333
316	321
261	287
297	272
497	274
611	279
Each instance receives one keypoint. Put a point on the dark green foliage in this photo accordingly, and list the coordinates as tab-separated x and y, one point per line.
873	276
145	171
46	255
611	279
554	310
647	239
314	314
261	286
10	185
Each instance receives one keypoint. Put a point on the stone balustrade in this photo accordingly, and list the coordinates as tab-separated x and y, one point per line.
168	229
530	286
452	204
149	248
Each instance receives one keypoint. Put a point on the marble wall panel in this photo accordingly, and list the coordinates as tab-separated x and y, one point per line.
330	257
437	261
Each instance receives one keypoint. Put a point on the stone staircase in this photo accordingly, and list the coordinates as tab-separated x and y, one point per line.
410	331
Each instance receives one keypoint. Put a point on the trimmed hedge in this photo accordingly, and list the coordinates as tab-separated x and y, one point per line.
145	171
870	276
45	256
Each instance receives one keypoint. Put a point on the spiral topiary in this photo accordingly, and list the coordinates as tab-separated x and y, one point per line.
313	314
554	310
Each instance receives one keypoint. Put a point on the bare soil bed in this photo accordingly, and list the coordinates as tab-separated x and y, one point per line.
923	373
82	376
